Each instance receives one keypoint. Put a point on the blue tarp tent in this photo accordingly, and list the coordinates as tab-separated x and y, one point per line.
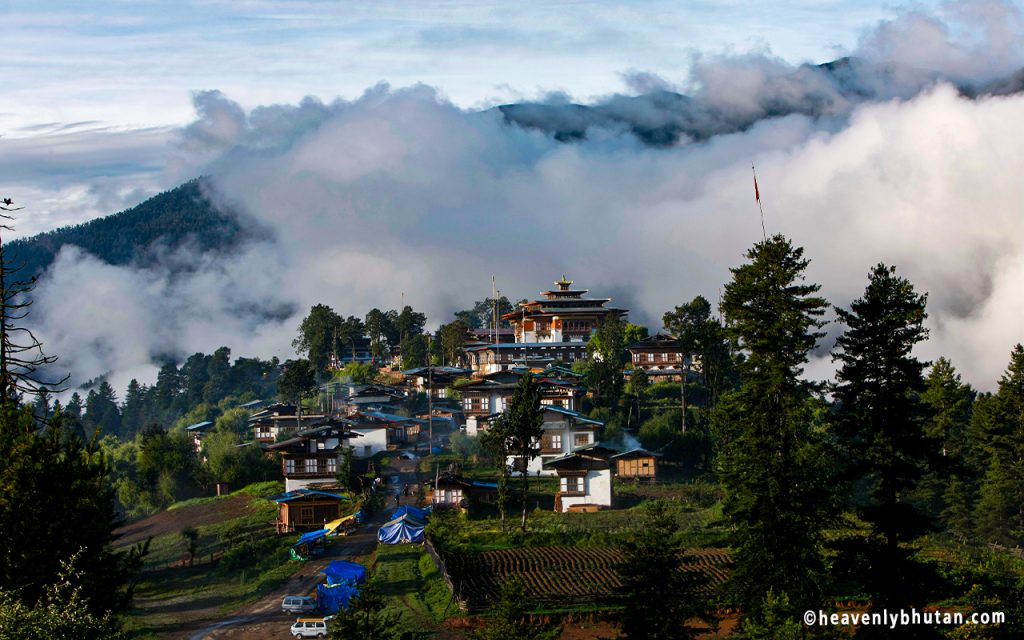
418	514
334	598
405	528
342	572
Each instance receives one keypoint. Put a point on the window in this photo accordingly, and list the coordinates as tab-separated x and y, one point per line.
650	357
581	439
556	441
332	465
310	465
467	404
664	357
572	484
289	466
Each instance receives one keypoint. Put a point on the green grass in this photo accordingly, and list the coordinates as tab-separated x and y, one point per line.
261	489
415	590
193	502
166	597
482	531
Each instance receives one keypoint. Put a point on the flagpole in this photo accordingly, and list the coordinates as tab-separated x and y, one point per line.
757	196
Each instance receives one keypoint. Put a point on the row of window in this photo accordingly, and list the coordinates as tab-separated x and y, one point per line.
483	404
554	440
310	465
448	496
650	357
508	357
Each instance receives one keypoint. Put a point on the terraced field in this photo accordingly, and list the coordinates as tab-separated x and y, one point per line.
559	577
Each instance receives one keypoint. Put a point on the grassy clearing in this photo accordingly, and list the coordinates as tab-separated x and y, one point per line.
481	531
414	587
255	563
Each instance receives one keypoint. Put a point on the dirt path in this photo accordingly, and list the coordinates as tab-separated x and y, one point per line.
263	620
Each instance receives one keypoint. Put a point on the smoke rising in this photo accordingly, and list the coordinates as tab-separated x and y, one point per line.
898	154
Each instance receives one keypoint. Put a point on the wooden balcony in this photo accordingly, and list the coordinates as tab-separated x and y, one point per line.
321	472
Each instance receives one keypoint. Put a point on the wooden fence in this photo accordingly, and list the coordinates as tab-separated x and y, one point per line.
439	561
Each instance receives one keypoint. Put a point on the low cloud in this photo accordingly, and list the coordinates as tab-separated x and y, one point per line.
401	191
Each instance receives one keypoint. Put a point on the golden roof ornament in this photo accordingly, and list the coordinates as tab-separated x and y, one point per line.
564	283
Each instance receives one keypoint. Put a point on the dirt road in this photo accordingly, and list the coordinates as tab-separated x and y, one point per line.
263	620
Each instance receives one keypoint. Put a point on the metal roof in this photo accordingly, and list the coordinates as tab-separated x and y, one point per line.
638	451
390	417
199	426
574	414
302	493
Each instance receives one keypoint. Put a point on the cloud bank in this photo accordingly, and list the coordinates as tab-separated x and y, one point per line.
878	158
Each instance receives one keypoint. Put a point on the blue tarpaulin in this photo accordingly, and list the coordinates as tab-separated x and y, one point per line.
419	514
310	537
333	598
342	572
405	528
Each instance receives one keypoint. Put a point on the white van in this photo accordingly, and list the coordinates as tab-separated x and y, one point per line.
310	628
298	604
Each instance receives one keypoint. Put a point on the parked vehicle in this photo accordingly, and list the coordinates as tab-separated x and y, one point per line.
299	604
310	628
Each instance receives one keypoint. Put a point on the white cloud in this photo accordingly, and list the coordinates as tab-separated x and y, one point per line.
400	190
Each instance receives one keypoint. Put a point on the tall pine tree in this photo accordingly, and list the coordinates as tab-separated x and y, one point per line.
774	461
1000	430
882	422
523	425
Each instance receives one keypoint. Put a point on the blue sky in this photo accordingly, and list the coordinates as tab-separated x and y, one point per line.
131	64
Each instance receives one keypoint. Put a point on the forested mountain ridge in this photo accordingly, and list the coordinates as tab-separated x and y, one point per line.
170	219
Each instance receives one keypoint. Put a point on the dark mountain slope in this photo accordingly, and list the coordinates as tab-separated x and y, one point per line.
168	220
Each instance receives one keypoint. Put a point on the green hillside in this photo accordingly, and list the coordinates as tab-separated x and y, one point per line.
170	219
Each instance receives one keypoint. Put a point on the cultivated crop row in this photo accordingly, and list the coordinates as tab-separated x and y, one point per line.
559	577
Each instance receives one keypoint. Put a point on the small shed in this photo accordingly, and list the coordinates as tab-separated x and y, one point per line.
454	490
308	509
637	463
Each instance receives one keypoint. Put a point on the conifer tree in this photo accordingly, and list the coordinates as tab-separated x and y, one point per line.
134	410
882	421
101	410
660	595
509	618
524	426
367	617
949	403
774	462
1000	430
495	442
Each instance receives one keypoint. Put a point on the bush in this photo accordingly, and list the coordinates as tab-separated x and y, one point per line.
465	446
261	554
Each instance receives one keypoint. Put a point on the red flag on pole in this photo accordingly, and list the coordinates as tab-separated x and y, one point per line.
757	194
